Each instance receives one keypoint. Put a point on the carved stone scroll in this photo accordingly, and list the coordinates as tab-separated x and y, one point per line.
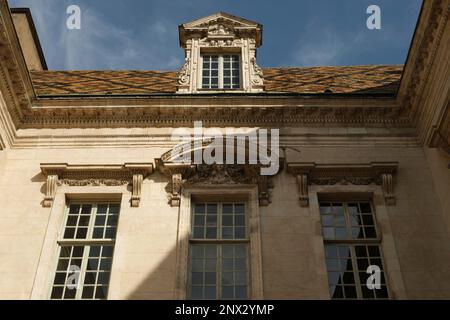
137	189
302	181
176	172
388	188
50	190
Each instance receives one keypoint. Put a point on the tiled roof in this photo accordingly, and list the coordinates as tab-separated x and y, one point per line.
354	79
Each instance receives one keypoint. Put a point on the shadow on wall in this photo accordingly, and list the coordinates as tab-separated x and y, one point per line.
152	279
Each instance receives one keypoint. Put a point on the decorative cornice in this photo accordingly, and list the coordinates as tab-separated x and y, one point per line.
429	32
308	173
59	174
15	81
253	115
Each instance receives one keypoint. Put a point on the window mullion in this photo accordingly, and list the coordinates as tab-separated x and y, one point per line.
92	222
219	272
220	71
219	221
219	251
348	224
355	272
82	272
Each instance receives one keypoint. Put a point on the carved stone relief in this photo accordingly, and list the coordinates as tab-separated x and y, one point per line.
59	174
380	173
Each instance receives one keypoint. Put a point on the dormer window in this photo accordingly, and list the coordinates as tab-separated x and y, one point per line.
221	72
220	55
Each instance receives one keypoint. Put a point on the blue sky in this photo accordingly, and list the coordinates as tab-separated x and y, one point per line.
143	34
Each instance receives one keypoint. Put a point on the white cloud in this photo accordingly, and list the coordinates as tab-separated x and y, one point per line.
324	49
101	44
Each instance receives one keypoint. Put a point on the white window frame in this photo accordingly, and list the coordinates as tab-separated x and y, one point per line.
220	76
219	242
229	193
86	243
353	242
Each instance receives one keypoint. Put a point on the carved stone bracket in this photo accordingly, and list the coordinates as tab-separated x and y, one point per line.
175	172
59	174
380	173
50	191
302	181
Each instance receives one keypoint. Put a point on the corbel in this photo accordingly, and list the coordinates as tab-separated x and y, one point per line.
302	182
176	172
50	190
264	184
388	188
386	172
139	172
301	171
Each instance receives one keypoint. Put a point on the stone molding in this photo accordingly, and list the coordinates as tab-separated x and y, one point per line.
190	175
59	174
423	55
423	91
310	173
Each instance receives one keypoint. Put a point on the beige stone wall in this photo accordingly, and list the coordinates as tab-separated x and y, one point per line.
27	42
415	237
439	163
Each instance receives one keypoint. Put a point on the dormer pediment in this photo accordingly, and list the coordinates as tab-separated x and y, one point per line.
221	26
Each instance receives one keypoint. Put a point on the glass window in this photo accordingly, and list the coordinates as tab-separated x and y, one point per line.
83	269
219	252
351	246
221	72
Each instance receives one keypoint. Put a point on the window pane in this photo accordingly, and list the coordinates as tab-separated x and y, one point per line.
88	292
77	279
239	232
57	293
211	233
197	278
227	220
100	220
69	233
74	209
197	292
210	292
239	208
102	208
227	292
199	220
241	292
227	208
211	251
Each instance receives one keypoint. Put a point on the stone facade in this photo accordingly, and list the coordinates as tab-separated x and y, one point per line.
393	149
